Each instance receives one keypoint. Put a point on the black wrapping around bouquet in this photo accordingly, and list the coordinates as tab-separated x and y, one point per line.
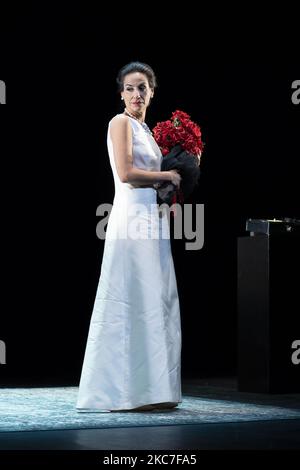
187	166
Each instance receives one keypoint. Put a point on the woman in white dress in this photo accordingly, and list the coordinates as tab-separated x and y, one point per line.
133	353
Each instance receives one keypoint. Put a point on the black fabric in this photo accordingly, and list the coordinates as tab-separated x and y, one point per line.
187	166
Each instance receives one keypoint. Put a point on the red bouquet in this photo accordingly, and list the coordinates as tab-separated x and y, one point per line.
180	142
178	130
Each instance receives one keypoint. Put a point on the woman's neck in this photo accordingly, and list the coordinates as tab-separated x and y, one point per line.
143	124
141	118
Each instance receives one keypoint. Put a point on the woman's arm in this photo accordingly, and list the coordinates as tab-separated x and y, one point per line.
121	136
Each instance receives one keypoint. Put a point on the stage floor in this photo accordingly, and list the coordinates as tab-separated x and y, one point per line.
266	434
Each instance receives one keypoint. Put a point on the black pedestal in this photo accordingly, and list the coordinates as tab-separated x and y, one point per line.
269	313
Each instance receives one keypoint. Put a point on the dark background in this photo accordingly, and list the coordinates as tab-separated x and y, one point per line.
60	74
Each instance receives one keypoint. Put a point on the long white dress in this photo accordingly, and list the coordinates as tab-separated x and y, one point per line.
133	351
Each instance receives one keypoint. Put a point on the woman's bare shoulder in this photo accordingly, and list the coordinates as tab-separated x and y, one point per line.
119	119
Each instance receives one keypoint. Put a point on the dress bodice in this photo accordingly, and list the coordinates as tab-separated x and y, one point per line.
145	151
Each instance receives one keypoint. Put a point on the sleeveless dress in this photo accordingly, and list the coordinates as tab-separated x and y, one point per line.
133	351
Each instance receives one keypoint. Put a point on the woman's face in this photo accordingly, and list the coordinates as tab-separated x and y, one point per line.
136	93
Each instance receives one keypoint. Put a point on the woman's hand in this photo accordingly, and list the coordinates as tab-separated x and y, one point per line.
175	178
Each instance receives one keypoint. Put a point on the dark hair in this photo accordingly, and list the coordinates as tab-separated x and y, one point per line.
136	67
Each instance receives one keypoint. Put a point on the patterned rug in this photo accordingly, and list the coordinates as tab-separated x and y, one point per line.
52	408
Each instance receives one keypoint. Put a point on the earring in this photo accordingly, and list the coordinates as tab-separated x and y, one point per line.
122	98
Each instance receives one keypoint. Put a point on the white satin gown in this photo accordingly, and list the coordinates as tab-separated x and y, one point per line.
133	351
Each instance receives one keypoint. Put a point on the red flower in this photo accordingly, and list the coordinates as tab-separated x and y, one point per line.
178	130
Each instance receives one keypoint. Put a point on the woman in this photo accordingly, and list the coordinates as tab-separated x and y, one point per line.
133	352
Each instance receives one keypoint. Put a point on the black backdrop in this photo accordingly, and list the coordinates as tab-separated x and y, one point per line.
61	92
